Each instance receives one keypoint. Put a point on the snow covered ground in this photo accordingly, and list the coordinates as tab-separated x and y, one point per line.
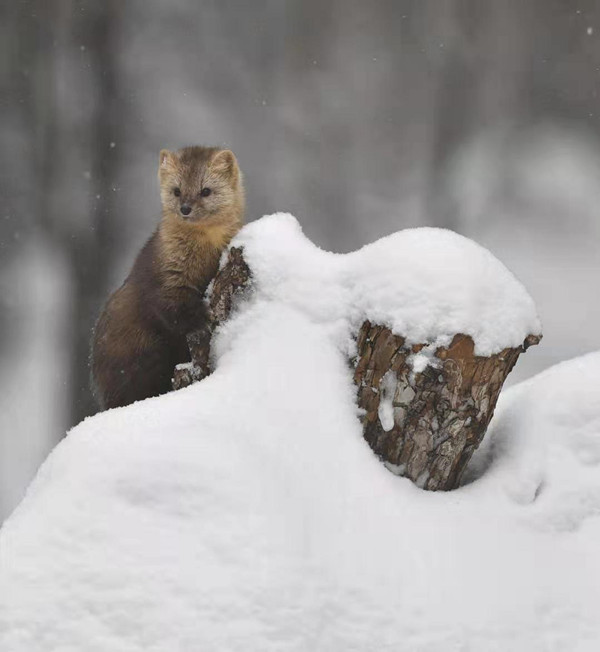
247	513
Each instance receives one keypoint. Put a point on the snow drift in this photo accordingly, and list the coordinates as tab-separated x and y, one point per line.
227	517
425	284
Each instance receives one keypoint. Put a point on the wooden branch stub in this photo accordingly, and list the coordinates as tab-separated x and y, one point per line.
200	367
186	373
229	285
427	424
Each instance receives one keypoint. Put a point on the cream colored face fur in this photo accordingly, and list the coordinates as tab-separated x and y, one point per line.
184	174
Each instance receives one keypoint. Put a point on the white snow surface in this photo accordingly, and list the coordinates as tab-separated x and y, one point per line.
247	513
426	284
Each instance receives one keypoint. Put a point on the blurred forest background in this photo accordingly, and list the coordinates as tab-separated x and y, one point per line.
360	118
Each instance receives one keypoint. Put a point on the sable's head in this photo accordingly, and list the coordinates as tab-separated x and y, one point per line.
200	184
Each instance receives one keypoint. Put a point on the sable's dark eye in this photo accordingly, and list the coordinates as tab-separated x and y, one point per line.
176	192
205	192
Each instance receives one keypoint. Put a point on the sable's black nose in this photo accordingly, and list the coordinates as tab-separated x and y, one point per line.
185	209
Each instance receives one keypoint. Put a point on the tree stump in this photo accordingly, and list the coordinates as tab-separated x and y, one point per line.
423	411
426	424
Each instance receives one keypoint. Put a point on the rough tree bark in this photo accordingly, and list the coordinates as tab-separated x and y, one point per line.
232	281
423	424
427	424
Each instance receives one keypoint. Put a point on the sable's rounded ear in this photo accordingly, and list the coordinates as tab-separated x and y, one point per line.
167	159
224	162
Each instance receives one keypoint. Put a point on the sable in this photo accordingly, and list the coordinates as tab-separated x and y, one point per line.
141	334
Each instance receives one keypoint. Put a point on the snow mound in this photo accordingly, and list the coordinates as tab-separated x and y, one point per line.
247	513
545	447
425	284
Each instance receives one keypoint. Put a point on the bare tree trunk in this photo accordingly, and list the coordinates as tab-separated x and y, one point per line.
423	423
91	253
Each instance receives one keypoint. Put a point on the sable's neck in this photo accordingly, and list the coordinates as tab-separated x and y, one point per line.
215	231
192	249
